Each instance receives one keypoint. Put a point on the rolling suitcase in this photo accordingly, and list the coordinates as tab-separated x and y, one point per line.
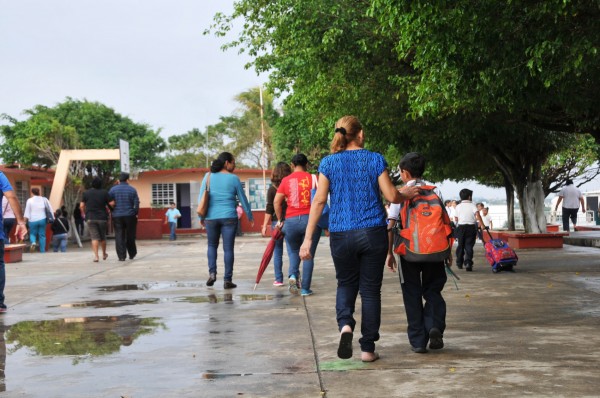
500	256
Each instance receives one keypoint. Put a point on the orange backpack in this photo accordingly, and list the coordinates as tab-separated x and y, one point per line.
425	234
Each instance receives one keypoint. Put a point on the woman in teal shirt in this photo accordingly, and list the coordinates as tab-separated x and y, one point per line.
225	191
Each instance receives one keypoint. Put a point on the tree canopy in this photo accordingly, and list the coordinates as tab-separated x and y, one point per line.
76	124
449	80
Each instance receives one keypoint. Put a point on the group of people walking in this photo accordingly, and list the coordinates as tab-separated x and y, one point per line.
351	182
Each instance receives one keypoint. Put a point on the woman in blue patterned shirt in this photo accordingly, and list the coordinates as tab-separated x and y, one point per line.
354	178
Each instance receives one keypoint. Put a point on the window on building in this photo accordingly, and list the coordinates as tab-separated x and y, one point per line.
163	194
257	193
22	192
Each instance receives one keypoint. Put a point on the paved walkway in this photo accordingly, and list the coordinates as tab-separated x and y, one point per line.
151	328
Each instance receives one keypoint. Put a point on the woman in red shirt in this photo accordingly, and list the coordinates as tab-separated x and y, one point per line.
295	189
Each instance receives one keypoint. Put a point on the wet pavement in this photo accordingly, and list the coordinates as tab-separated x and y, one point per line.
150	327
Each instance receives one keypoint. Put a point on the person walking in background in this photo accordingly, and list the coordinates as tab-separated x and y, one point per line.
95	206
79	218
480	207
487	219
354	178
8	219
60	230
571	197
221	219
466	231
171	217
126	205
295	191
35	215
281	170
9	194
240	213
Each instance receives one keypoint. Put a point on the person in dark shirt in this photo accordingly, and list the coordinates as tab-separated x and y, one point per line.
95	206
60	230
124	215
281	170
79	220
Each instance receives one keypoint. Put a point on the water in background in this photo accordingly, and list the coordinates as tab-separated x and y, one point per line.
500	217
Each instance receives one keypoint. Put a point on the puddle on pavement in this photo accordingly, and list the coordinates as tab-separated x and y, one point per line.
209	375
230	298
85	336
589	283
106	303
149	286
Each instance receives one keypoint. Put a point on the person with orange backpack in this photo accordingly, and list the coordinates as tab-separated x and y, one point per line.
420	232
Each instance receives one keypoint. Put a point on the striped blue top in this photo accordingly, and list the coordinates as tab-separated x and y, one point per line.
355	199
127	202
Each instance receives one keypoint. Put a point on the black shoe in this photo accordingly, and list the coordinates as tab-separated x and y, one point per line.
469	268
229	285
419	350
459	266
211	279
436	341
131	257
121	259
345	347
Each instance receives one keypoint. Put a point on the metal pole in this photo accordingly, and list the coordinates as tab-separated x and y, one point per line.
262	148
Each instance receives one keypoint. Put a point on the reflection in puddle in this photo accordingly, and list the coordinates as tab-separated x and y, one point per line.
93	336
106	303
230	298
149	286
214	376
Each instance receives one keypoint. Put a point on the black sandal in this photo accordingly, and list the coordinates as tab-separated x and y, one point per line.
345	348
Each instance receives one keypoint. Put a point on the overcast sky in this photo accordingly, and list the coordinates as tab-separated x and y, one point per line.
147	59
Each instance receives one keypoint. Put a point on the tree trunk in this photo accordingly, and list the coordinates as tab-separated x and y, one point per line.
531	202
510	204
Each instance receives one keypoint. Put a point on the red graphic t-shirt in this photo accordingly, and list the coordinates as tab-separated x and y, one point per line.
296	188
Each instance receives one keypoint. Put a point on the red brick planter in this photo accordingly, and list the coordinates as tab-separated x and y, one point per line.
521	240
13	253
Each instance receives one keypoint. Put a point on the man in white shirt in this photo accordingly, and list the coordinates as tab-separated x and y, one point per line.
467	217
571	198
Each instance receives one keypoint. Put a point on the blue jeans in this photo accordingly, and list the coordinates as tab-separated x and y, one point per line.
37	229
294	229
172	228
278	257
214	230
359	258
59	240
2	274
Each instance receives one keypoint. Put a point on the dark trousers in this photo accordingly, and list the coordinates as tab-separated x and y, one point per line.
125	230
9	223
359	258
79	226
569	214
2	274
423	281
465	234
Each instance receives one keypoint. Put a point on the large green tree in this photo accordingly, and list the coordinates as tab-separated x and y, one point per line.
77	124
240	133
465	73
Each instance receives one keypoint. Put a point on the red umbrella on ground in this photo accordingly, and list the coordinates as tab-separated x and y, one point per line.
268	255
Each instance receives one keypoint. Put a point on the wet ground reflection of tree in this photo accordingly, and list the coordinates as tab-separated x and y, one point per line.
80	336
